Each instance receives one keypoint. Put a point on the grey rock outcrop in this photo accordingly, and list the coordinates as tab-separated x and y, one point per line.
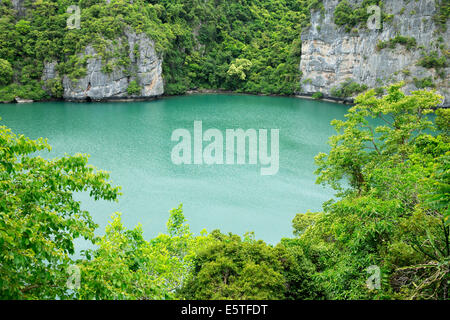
330	55
145	68
19	6
49	71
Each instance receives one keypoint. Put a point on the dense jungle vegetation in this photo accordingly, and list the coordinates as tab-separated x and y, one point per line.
251	46
205	44
391	211
392	180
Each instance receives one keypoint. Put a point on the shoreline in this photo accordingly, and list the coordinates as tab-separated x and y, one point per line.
296	95
347	101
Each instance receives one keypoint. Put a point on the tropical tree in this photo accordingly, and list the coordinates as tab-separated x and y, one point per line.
39	217
390	173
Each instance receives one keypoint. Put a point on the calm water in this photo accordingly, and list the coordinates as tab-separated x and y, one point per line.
133	141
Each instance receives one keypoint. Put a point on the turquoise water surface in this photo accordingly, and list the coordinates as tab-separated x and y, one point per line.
132	140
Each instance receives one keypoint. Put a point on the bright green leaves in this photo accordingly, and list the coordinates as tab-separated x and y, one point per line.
347	15
39	217
228	267
175	224
360	145
6	72
212	37
439	196
133	88
239	68
126	266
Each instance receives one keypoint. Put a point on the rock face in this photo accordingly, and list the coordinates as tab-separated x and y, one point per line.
145	69
19	6
330	55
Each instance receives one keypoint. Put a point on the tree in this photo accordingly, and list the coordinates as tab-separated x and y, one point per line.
391	175
228	267
126	266
359	144
39	218
6	72
239	68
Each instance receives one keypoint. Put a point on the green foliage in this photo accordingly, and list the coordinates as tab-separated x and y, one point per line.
349	17
392	206
443	120
433	60
31	90
133	88
409	42
39	219
348	89
316	5
126	266
443	14
231	268
55	87
379	91
6	72
210	37
317	95
238	68
424	83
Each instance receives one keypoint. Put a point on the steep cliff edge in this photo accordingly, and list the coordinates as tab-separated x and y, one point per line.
109	79
332	56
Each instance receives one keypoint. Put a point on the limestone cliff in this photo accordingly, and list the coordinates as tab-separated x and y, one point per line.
330	55
99	83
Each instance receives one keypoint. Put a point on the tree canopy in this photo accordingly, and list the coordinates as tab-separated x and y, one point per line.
388	162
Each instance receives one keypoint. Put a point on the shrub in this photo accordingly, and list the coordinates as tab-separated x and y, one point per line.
346	15
379	91
6	72
133	88
348	89
317	95
432	60
408	42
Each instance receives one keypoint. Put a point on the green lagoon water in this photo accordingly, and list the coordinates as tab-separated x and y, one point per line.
132	140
